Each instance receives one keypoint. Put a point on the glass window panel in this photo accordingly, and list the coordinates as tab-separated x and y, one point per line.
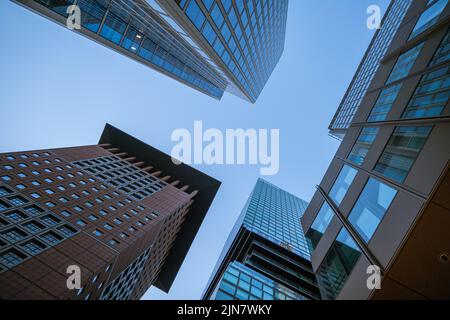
195	14
338	265
443	53
371	207
319	226
363	144
384	103
429	18
431	96
132	40
91	14
342	184
404	64
401	152
113	28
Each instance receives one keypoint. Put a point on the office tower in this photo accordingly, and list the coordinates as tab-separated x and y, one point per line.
120	211
266	256
384	201
368	67
210	45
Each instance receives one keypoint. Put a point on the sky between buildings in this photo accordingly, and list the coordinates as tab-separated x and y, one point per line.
59	89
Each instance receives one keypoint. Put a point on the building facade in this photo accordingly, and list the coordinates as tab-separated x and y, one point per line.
368	67
111	210
212	46
266	256
383	206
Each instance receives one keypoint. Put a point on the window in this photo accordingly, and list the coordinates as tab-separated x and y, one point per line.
20	187
68	231
431	96
404	64
337	265
342	184
17	200
195	14
52	237
97	233
113	242
371	207
92	14
113	28
132	40
16	216
14	234
319	226
81	223
11	258
363	144
34	210
428	18
33	246
50	220
33	226
50	204
108	226
4	191
6	178
384	103
401	152
443	53
66	213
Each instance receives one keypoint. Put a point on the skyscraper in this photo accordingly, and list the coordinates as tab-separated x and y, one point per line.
111	210
210	45
266	256
383	206
368	67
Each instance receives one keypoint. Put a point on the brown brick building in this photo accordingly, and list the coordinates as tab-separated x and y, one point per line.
120	210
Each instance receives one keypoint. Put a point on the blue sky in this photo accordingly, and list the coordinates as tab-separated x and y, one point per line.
59	89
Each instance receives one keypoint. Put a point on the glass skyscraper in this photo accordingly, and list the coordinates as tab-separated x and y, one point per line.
211	46
384	200
266	256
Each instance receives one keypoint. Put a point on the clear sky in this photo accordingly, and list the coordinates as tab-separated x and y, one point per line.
59	89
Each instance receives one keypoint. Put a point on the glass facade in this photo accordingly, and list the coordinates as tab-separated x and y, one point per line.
404	64
337	265
275	215
363	144
429	17
247	35
384	103
369	65
371	207
319	226
401	152
147	38
433	92
342	184
242	283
